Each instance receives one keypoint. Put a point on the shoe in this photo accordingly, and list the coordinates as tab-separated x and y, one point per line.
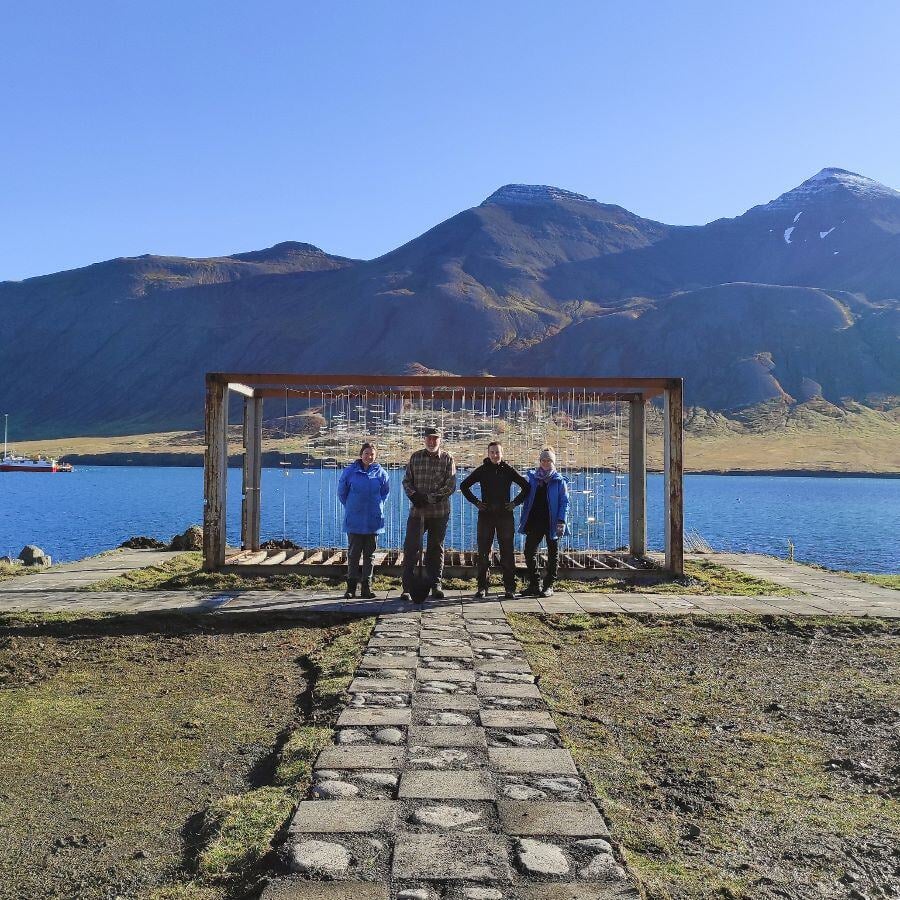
509	595
350	593
533	589
406	597
437	593
481	593
366	592
547	591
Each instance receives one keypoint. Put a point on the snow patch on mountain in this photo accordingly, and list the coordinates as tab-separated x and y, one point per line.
533	193
824	234
797	217
787	234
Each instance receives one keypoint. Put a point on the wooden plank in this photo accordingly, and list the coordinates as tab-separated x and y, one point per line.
637	478
296	559
674	477
314	558
242	389
255	558
379	557
276	557
252	470
570	560
335	558
215	472
283	379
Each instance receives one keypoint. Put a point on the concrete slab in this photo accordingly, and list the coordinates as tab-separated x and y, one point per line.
498	689
464	702
540	762
374	716
575	819
301	889
386	661
361	756
461	676
380	685
575	890
445	652
347	816
517	718
452	857
453	785
447	736
501	665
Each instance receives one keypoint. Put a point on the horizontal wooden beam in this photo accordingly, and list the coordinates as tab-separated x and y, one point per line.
239	388
605	395
290	379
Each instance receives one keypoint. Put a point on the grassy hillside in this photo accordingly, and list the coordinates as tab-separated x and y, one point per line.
812	436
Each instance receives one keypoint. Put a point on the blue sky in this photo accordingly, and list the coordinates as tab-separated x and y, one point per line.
203	128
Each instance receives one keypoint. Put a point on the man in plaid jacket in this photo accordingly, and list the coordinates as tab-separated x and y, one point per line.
429	482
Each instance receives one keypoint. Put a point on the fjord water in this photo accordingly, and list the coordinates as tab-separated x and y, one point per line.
842	523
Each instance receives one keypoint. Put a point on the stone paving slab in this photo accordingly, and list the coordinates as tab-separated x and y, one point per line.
437	650
575	890
465	785
302	889
447	736
463	702
379	661
501	665
452	857
361	756
538	762
380	685
461	676
354	716
517	718
570	818
336	816
499	689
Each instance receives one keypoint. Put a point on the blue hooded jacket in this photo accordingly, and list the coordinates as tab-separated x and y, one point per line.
557	500
362	492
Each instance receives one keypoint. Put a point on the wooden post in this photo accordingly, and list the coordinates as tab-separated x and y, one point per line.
674	476
250	506
637	477
215	473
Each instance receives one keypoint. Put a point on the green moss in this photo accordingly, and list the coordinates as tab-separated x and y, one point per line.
888	581
242	828
295	761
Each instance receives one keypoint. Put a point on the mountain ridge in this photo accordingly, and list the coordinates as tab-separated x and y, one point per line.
535	279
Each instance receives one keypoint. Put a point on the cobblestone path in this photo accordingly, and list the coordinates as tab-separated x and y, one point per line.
448	778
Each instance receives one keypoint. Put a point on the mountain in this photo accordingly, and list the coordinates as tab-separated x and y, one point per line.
795	299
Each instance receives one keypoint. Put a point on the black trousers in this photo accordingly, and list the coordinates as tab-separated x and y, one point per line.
416	528
503	526
532	542
360	545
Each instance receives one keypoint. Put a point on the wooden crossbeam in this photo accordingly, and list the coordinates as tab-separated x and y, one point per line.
278	556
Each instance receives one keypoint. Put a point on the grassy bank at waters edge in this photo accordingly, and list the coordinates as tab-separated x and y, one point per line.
735	757
157	756
184	573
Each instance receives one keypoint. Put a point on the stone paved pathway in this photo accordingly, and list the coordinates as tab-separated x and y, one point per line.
448	779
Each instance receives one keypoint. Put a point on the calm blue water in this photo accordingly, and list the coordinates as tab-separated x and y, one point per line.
839	522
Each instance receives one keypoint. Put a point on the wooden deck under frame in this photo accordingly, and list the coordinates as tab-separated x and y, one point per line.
331	562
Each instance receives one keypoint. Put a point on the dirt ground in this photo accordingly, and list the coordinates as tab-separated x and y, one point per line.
740	758
119	732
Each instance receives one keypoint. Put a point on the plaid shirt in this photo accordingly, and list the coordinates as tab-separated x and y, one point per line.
432	474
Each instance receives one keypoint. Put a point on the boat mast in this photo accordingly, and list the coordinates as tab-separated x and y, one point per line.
5	427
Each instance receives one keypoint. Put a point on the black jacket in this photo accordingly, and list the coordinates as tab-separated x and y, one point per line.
495	481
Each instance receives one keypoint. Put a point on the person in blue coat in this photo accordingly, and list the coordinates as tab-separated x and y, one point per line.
544	518
362	490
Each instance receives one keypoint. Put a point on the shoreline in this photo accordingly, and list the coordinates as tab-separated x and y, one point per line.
271	461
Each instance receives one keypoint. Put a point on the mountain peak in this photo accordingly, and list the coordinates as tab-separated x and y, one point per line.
520	194
830	182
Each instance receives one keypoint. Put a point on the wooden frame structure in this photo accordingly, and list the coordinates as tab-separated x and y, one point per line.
256	387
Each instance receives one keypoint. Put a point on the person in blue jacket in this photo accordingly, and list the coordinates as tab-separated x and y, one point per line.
544	517
362	489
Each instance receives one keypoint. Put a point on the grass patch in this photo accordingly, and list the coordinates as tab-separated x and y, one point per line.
734	756
146	746
888	581
184	572
10	570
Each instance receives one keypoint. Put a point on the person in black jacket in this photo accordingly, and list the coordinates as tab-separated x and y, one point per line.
495	515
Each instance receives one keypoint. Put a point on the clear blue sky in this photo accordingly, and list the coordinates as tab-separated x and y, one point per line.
203	128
